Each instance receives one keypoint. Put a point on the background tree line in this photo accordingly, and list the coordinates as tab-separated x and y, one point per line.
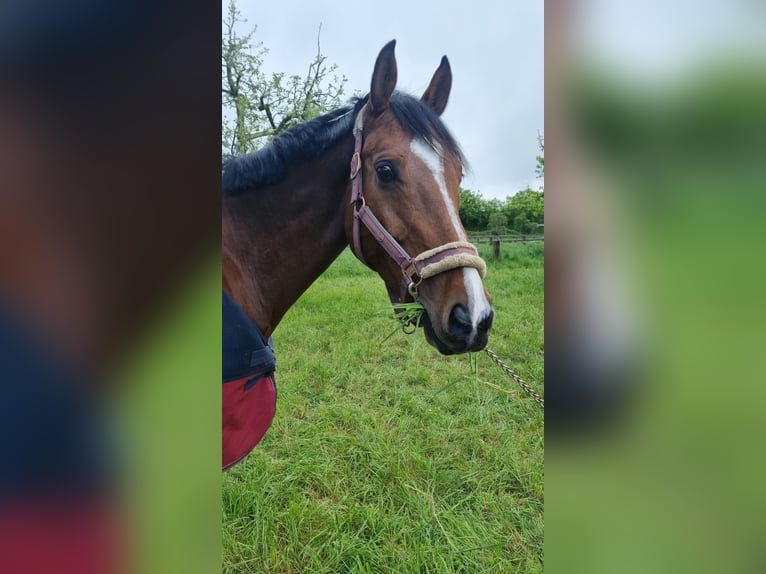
523	212
519	213
258	106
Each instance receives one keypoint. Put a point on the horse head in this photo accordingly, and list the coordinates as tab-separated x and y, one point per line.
407	168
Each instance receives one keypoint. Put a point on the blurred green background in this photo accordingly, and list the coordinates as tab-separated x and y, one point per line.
678	148
172	419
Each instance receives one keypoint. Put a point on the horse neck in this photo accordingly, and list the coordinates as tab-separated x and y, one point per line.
278	240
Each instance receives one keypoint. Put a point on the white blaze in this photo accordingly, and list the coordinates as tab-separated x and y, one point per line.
433	160
478	306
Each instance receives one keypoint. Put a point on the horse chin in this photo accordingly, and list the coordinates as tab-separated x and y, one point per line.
448	346
434	340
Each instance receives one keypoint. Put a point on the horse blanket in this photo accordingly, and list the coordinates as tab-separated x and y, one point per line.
249	388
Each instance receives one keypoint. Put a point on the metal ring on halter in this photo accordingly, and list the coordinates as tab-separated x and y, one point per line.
412	289
409	328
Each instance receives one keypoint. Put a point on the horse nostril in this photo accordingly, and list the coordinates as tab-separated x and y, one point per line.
486	323
459	325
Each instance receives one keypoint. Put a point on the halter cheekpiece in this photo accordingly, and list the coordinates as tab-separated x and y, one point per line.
453	255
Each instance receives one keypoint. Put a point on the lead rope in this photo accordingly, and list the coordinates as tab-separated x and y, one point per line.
507	370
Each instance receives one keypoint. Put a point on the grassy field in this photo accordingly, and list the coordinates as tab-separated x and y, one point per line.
386	456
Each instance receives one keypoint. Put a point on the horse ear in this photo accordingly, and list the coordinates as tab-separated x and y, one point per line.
383	78
438	90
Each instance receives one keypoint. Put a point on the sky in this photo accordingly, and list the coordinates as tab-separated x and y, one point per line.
495	49
661	41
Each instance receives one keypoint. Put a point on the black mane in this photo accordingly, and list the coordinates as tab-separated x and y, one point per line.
309	140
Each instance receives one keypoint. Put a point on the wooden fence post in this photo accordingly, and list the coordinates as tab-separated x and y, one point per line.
495	241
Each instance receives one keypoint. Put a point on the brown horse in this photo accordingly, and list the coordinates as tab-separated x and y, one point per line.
290	209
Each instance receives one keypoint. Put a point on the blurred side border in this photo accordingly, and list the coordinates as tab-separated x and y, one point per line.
110	286
654	313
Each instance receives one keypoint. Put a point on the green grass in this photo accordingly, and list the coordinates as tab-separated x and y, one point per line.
386	456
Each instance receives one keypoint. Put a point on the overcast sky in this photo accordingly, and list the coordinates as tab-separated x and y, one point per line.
495	49
658	40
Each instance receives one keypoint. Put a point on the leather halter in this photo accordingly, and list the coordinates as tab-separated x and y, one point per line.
443	258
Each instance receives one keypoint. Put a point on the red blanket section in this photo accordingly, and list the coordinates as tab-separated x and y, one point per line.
249	404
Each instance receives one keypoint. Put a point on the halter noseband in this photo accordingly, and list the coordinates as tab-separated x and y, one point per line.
443	258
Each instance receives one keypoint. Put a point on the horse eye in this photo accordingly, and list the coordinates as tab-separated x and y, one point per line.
386	172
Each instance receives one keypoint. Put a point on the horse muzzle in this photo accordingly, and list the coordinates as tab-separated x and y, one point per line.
460	335
462	331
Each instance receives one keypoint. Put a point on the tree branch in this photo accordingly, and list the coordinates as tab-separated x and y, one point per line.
264	107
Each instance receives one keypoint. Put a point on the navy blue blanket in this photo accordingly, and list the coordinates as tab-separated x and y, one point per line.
244	350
